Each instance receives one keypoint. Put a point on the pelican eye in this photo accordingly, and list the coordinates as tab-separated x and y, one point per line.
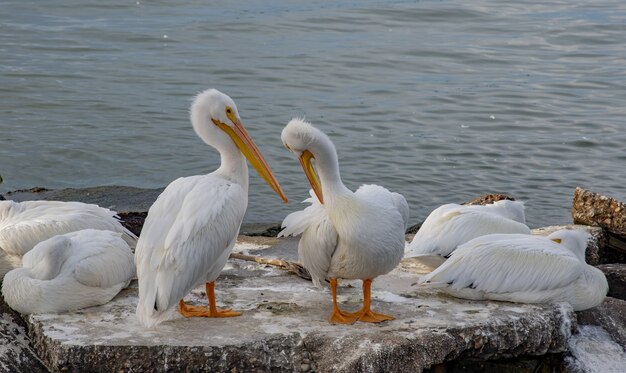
287	146
557	240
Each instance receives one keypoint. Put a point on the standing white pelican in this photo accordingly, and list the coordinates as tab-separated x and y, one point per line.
25	224
525	269
71	271
451	225
193	225
345	234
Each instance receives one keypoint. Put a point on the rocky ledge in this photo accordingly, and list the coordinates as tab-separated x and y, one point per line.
284	327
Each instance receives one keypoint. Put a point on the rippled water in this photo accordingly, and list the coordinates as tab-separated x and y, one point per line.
439	100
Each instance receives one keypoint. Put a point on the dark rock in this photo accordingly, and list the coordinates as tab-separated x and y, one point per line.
616	276
133	221
16	351
611	315
118	198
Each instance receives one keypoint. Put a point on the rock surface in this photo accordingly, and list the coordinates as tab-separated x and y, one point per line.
284	327
595	209
118	198
596	246
16	352
616	276
611	315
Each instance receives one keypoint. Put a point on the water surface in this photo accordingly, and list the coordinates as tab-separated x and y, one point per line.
439	100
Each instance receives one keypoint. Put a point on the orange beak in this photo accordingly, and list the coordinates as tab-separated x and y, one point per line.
249	149
309	171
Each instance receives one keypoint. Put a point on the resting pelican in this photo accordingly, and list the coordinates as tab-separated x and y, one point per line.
450	225
25	224
525	269
193	225
345	234
71	271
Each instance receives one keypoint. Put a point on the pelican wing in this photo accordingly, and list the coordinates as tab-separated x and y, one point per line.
319	237
451	225
378	194
193	223
102	258
503	263
24	224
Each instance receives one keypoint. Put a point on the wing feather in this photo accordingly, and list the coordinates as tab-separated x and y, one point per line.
193	223
503	263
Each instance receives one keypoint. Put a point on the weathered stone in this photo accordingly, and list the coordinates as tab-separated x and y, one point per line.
611	315
284	327
596	246
616	276
594	209
16	352
592	350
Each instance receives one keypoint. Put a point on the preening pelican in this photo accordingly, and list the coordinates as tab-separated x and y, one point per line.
525	269
71	271
345	234
25	224
192	226
451	225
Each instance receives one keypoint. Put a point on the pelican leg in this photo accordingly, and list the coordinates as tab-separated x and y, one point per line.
202	311
366	314
338	316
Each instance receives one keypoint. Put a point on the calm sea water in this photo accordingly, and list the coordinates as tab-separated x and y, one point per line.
439	100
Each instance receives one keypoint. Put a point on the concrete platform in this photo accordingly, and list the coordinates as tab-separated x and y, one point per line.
284	327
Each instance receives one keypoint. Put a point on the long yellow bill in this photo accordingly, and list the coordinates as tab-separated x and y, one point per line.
249	149
309	171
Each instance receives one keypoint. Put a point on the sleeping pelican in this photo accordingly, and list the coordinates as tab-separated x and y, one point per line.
345	234
25	224
71	271
525	269
450	225
192	226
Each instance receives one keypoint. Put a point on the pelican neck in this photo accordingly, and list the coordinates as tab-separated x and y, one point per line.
327	165
233	165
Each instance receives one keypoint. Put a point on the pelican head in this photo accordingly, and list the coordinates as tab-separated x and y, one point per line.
574	239
216	120
306	143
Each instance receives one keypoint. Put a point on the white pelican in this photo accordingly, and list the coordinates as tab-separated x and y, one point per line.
525	269
25	224
450	225
345	234
192	226
71	271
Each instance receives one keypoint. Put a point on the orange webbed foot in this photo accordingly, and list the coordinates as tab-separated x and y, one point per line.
340	317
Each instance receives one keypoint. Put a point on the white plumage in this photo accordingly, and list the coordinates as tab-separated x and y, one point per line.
192	226
25	224
71	271
345	234
523	268
451	225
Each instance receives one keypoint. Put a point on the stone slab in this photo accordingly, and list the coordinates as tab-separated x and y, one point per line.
284	327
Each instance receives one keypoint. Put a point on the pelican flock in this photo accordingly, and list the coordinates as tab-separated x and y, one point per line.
192	226
71	271
25	224
450	225
68	255
523	268
345	234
